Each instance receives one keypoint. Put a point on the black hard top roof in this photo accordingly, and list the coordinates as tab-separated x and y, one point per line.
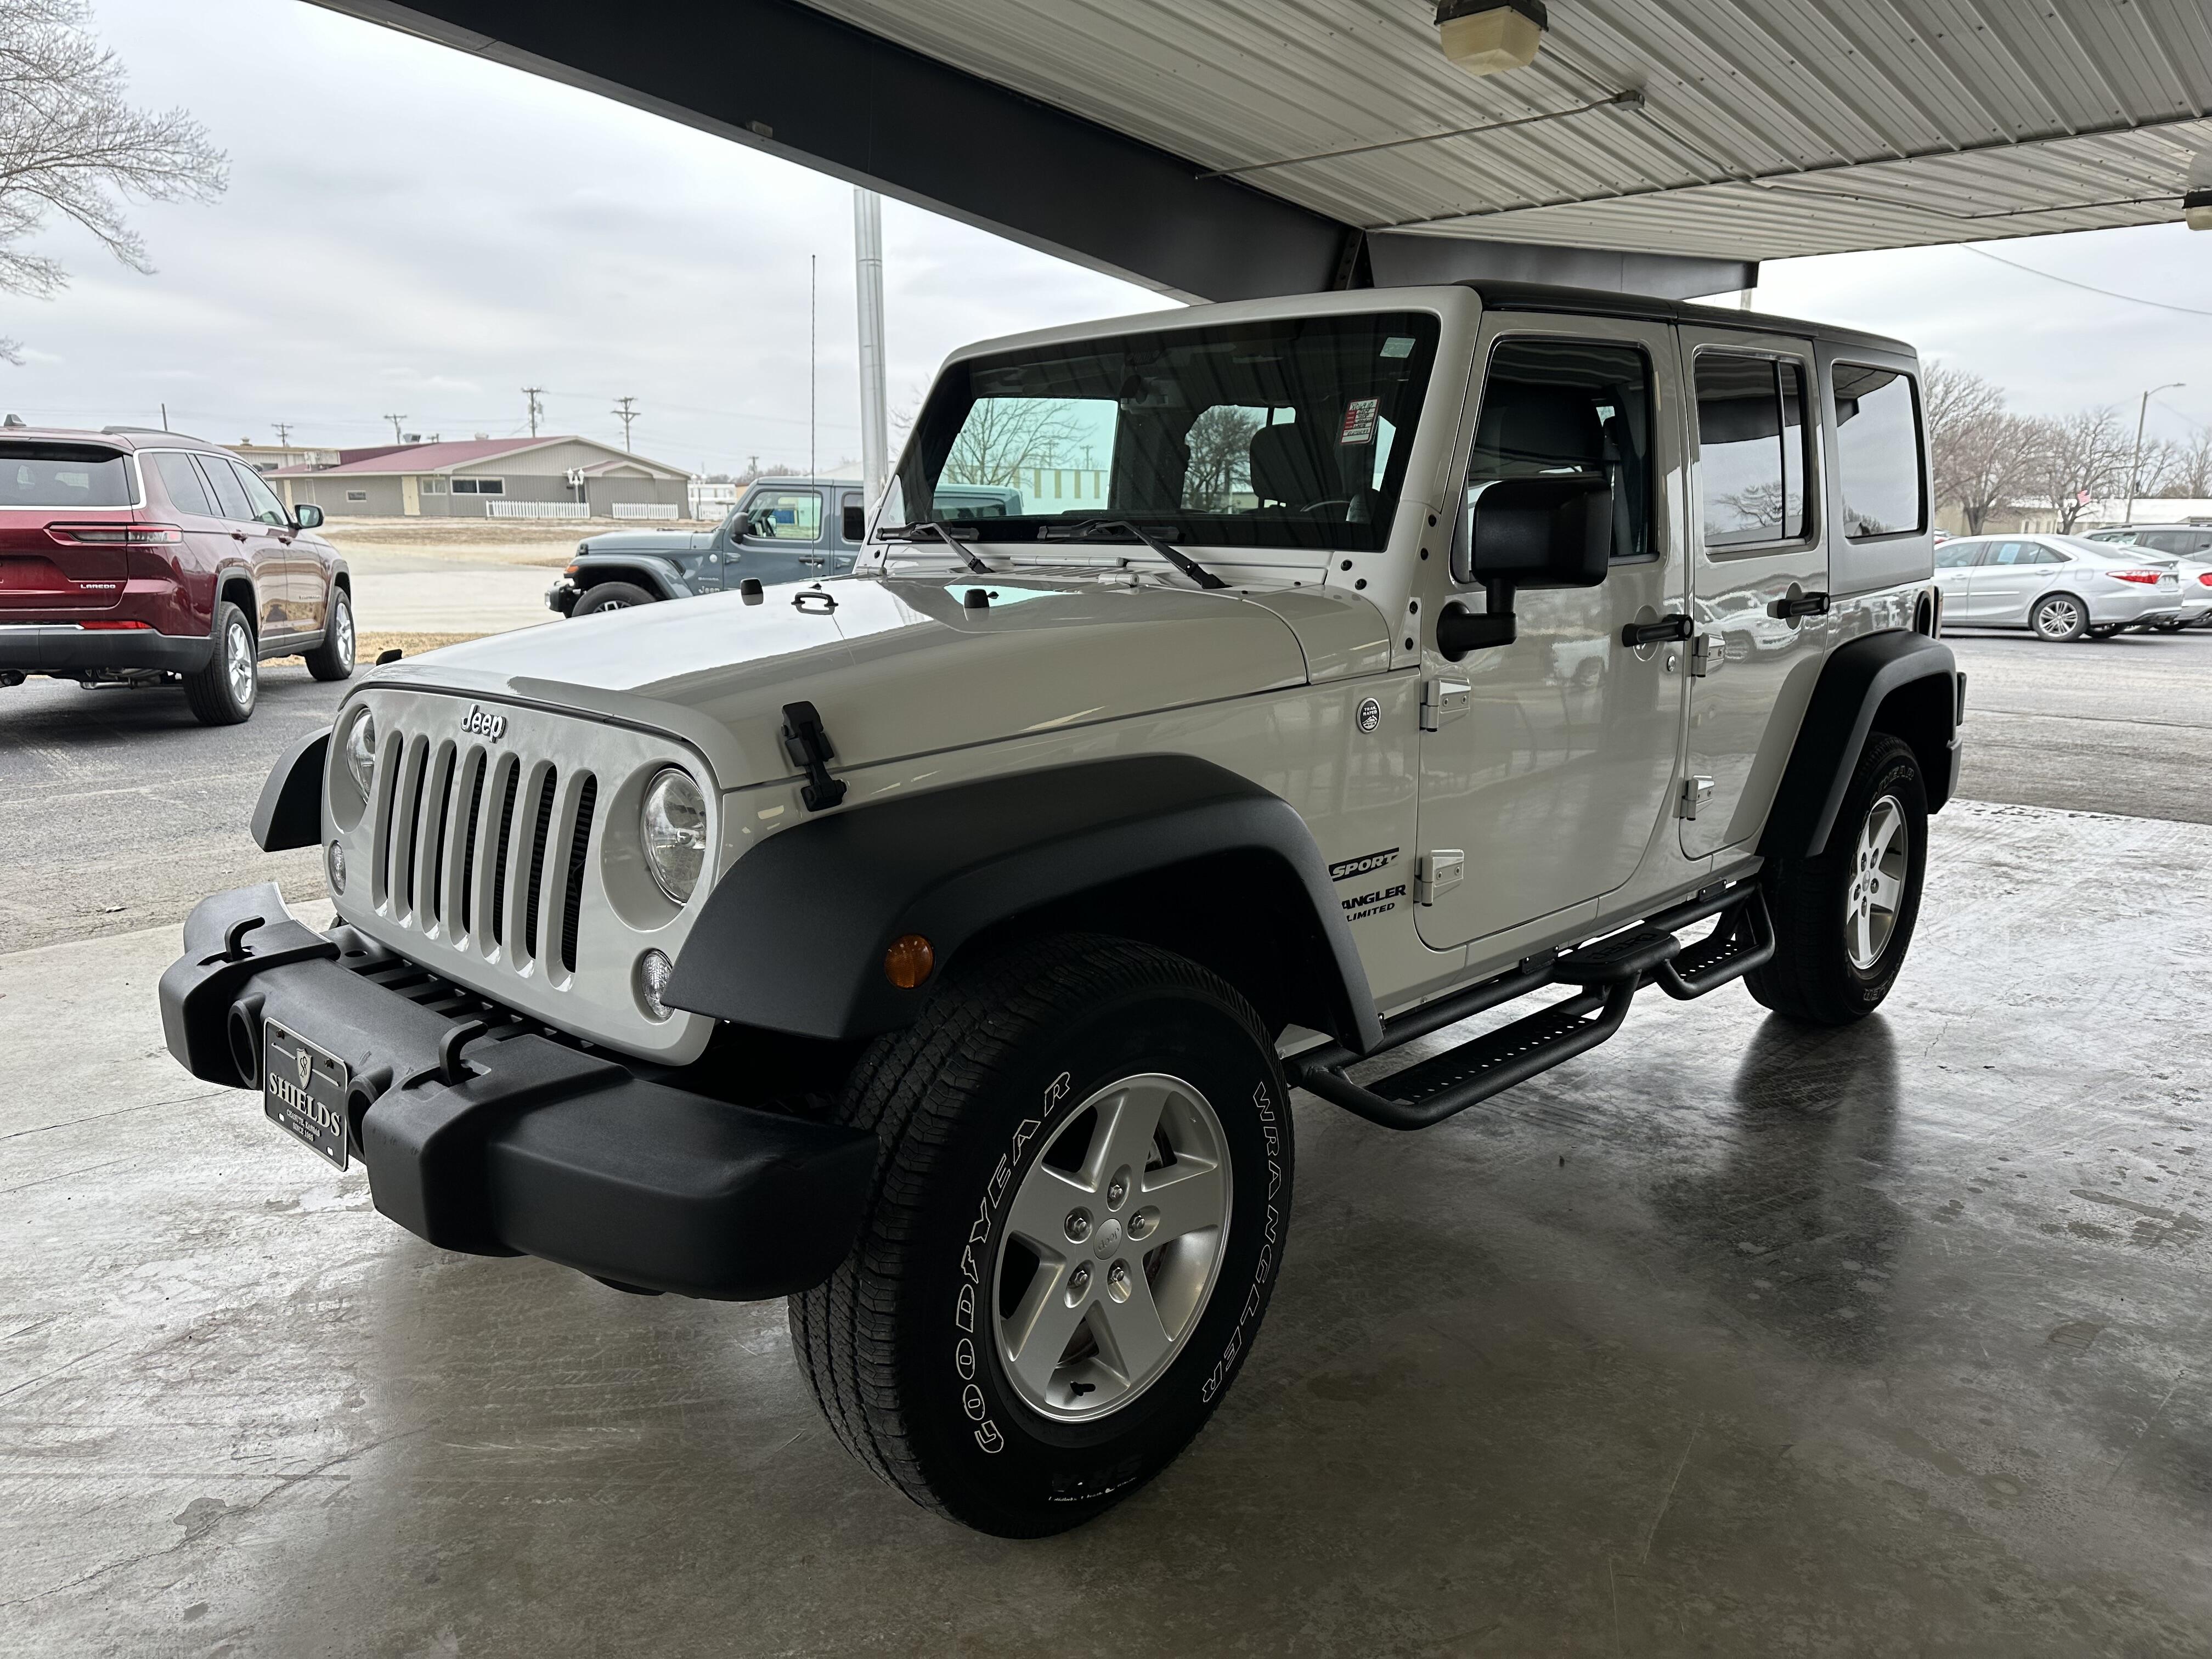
1601	303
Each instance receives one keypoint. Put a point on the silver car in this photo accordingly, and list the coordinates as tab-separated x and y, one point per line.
2058	587
2189	545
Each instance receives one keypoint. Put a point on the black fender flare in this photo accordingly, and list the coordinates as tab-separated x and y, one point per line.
792	939
1859	680
659	575
290	810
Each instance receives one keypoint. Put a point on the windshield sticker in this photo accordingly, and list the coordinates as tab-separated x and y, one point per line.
1358	422
1398	345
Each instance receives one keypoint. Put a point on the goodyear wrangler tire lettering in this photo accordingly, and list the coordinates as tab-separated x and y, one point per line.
1037	1055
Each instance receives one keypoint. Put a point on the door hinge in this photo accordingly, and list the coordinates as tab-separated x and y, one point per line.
1443	700
1437	873
1696	792
1701	648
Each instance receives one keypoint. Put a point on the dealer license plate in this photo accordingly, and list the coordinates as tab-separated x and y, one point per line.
303	1089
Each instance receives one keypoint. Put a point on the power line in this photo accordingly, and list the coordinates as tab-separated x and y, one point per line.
626	414
2086	288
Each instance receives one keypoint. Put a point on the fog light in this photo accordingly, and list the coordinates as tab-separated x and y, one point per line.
1485	37
908	961
654	968
334	862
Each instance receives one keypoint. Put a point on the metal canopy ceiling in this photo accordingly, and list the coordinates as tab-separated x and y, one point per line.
1199	145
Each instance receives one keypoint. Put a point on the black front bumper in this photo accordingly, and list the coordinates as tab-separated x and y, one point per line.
64	648
520	1145
562	596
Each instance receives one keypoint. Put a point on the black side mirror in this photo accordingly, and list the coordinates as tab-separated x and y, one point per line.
308	516
1552	532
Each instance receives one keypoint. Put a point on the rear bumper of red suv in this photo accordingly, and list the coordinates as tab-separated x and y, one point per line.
53	647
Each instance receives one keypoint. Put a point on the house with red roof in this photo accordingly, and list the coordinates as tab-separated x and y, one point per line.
537	477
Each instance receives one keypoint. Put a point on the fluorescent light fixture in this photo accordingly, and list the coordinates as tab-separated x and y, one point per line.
2197	210
1485	37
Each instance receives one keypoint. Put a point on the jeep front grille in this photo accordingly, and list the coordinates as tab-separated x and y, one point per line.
485	859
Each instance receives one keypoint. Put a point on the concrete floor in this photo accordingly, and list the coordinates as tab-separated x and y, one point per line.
1725	1338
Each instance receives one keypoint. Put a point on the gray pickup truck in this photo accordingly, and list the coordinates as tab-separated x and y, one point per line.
781	530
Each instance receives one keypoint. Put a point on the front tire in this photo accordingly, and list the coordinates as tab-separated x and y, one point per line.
1843	919
224	692
1080	1204
333	659
610	596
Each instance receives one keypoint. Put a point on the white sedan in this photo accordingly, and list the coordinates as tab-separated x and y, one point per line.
2189	545
2058	588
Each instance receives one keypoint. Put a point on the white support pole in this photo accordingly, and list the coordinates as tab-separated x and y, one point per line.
868	287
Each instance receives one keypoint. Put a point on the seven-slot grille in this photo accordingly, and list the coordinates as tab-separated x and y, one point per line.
483	848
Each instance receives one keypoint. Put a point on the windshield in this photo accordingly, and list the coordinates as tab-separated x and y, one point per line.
63	474
1292	432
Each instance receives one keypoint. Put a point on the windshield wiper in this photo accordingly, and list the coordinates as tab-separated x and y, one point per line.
944	532
1091	529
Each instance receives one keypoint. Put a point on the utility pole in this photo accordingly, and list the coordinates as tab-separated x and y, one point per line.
868	288
395	419
2135	461
626	414
538	408
165	416
283	433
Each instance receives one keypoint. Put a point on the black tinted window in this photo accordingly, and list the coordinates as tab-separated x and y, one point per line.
230	501
1556	407
187	493
63	475
1751	448
1878	451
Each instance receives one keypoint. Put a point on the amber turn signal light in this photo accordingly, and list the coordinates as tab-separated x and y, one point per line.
908	961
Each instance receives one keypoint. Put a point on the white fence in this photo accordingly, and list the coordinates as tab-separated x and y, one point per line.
540	510
644	510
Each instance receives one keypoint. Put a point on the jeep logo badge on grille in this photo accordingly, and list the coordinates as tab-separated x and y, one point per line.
477	724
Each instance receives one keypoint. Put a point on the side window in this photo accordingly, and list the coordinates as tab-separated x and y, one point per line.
1553	407
786	515
266	508
855	516
187	493
222	483
1957	555
2051	556
1751	448
1878	452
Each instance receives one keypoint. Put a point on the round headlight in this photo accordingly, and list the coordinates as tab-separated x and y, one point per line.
361	749
672	823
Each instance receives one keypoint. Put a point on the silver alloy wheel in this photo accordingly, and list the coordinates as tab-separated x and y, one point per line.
1121	1222
1878	870
2058	617
342	627
238	663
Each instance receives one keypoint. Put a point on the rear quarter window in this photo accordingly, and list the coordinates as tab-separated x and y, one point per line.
1878	452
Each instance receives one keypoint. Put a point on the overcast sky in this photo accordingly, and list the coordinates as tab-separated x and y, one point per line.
412	231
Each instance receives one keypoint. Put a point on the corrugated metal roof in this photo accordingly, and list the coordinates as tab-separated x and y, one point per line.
1766	131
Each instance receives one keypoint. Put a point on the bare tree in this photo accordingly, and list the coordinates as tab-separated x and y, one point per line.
1978	450
70	145
1003	438
2191	473
2082	455
1220	457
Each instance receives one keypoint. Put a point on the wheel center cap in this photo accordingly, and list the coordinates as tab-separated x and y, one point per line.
1107	1239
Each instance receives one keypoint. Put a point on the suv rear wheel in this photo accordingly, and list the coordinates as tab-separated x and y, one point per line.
1843	920
1081	1202
333	659
223	692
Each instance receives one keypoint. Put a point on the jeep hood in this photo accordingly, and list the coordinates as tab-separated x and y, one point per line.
649	541
904	666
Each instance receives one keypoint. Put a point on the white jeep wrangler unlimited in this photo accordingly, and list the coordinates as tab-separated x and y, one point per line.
938	945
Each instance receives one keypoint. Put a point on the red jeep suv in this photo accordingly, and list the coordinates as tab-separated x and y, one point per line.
138	558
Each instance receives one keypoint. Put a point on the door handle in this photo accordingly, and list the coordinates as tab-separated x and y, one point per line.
238	535
1673	627
1799	605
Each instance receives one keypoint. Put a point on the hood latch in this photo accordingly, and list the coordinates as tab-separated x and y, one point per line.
810	751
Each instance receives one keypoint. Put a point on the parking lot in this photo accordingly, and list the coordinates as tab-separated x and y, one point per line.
1737	1337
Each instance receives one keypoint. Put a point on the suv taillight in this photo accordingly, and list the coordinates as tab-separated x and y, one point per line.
2147	578
116	535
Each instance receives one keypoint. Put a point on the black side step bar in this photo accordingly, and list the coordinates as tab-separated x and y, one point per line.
1610	973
